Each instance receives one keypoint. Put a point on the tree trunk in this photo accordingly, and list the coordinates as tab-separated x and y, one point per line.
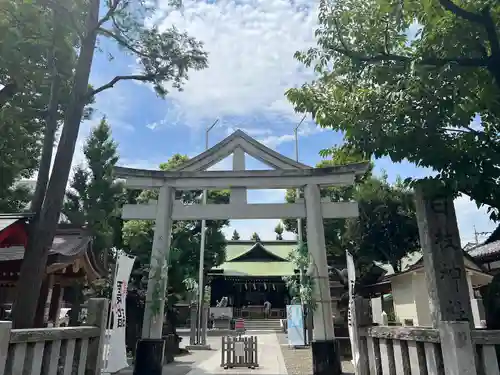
50	125
41	237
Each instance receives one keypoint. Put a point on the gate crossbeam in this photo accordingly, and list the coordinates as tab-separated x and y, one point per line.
329	210
250	179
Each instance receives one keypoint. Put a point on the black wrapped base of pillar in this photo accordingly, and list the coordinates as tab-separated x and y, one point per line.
149	357
326	358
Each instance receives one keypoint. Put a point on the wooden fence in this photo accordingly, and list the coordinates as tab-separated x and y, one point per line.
239	351
55	351
454	348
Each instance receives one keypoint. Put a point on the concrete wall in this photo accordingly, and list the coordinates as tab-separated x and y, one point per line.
411	300
403	298
421	300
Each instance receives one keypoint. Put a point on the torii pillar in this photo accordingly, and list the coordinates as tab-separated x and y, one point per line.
326	358
158	274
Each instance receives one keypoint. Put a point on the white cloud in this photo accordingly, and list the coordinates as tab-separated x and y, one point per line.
251	44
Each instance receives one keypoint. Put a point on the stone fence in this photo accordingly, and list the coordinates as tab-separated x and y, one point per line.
413	350
453	348
54	351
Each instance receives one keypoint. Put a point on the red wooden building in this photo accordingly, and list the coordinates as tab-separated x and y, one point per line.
70	261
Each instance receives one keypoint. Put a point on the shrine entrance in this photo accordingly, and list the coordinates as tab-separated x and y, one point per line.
287	173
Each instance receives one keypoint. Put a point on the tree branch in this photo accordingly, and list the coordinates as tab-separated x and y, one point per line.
111	10
462	13
110	84
121	41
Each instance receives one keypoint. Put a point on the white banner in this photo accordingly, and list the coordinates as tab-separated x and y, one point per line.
117	353
351	317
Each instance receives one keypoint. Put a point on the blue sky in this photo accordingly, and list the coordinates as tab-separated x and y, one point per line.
251	45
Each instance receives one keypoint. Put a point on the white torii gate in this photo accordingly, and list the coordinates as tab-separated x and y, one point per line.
287	173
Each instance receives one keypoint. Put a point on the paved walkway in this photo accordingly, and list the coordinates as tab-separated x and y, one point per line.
269	356
203	362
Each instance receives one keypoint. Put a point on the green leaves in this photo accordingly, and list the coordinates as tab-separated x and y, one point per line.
165	56
410	81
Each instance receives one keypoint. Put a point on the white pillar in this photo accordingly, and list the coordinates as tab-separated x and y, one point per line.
323	322
238	195
155	298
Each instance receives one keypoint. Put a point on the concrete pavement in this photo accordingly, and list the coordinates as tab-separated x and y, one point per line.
200	362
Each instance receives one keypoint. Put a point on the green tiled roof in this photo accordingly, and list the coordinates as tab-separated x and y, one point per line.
235	249
257	268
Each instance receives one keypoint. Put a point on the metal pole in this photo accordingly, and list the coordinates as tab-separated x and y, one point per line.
300	235
201	289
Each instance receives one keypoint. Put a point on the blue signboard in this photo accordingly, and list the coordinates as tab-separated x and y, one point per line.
295	325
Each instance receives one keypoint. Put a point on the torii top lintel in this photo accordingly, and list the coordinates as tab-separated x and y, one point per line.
250	145
193	175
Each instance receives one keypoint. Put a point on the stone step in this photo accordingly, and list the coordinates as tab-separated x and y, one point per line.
273	324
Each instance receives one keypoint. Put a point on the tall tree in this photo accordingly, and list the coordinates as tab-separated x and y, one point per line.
386	229
236	236
279	231
255	237
412	80
94	197
164	56
32	42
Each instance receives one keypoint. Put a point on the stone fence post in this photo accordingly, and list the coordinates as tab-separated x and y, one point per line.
362	319
5	328
97	317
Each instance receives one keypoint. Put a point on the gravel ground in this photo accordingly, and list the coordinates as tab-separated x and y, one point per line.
299	361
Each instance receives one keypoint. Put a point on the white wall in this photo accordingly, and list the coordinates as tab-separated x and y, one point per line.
411	299
403	298
421	300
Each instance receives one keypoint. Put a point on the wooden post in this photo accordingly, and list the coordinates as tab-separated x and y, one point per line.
445	275
42	304
97	317
55	304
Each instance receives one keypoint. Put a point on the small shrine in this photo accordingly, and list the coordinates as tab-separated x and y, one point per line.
70	261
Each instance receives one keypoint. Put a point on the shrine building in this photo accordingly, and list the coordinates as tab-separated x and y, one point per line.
70	261
252	274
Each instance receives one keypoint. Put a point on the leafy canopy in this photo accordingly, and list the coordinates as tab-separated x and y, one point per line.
414	80
386	229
